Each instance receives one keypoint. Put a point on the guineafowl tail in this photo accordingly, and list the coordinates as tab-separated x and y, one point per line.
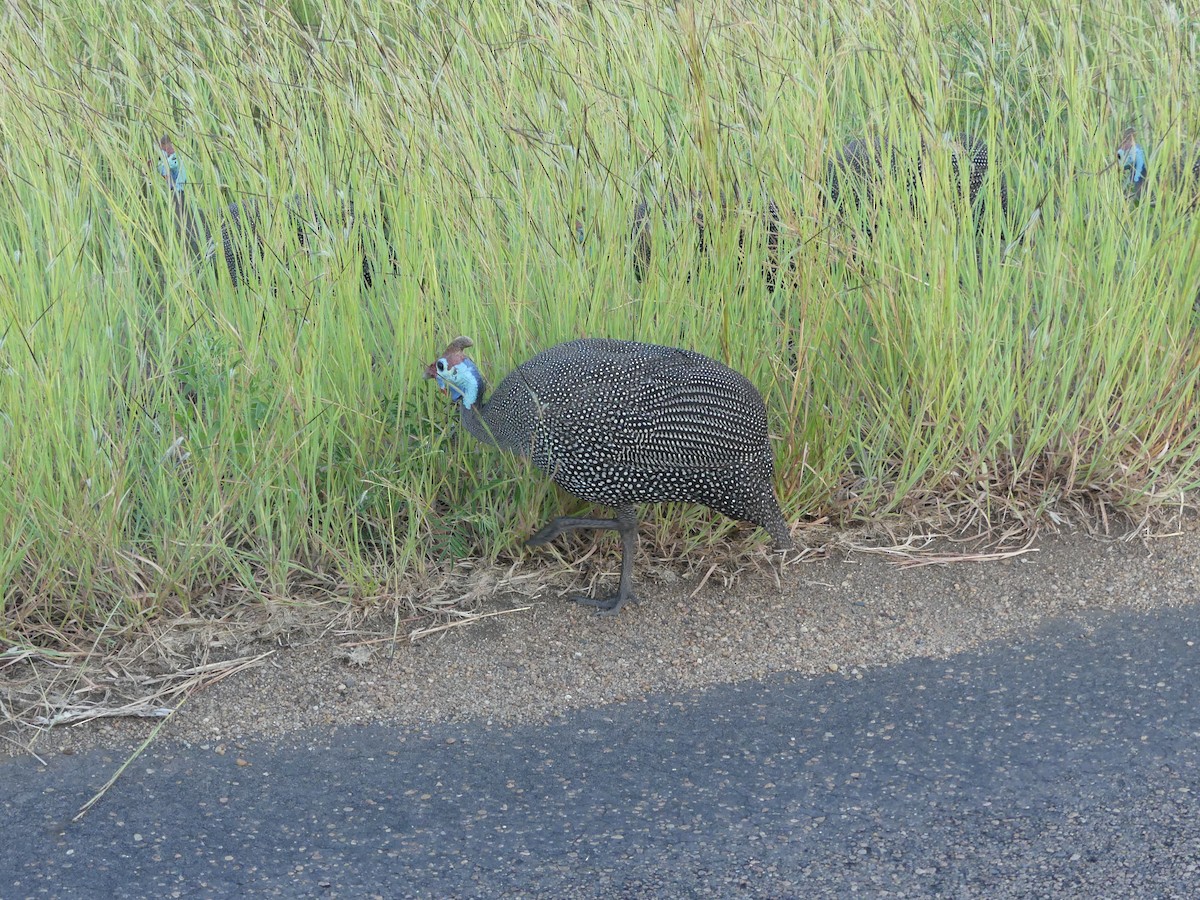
772	520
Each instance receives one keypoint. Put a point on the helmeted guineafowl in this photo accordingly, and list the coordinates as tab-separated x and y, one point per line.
694	204
622	422
1134	167
856	172
240	225
973	151
193	230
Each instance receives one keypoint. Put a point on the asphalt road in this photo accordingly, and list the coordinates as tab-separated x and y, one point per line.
1065	764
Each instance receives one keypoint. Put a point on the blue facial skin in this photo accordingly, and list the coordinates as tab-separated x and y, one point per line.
172	170
461	382
1134	163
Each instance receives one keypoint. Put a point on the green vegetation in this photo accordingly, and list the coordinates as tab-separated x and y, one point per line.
169	443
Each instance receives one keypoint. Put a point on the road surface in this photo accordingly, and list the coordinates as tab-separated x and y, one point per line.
1061	764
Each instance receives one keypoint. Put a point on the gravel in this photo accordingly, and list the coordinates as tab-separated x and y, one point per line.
843	614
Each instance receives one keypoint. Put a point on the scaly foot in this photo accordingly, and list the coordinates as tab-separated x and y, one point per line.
604	606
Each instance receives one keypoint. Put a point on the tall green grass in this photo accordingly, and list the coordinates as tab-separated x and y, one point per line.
169	443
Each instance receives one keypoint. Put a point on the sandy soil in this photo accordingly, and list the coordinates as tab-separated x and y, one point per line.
536	658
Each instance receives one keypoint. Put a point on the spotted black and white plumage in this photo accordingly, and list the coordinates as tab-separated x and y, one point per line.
1135	169
241	240
621	423
243	245
640	232
974	152
854	174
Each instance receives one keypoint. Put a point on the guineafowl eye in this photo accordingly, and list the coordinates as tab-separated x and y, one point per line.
1125	156
440	368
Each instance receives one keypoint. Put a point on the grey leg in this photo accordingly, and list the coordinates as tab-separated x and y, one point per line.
626	524
556	527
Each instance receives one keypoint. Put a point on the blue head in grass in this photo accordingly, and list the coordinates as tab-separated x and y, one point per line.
169	166
1132	159
456	374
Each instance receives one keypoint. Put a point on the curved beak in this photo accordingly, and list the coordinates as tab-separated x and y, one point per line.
432	372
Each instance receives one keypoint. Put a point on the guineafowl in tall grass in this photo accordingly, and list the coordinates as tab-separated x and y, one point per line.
1183	176
240	225
190	223
693	206
620	423
858	171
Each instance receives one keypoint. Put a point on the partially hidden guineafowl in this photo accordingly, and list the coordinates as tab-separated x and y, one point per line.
240	225
858	170
1131	157
693	204
855	172
620	423
972	151
190	224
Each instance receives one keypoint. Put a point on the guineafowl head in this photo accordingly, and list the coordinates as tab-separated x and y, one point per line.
456	374
1133	163
169	166
577	226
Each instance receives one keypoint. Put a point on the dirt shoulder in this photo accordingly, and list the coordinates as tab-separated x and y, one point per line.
536	658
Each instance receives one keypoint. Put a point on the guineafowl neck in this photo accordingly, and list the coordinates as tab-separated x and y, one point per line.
475	420
189	227
495	422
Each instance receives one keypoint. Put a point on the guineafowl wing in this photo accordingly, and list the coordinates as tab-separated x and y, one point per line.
649	407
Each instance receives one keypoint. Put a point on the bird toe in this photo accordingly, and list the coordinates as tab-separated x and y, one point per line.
541	537
604	606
